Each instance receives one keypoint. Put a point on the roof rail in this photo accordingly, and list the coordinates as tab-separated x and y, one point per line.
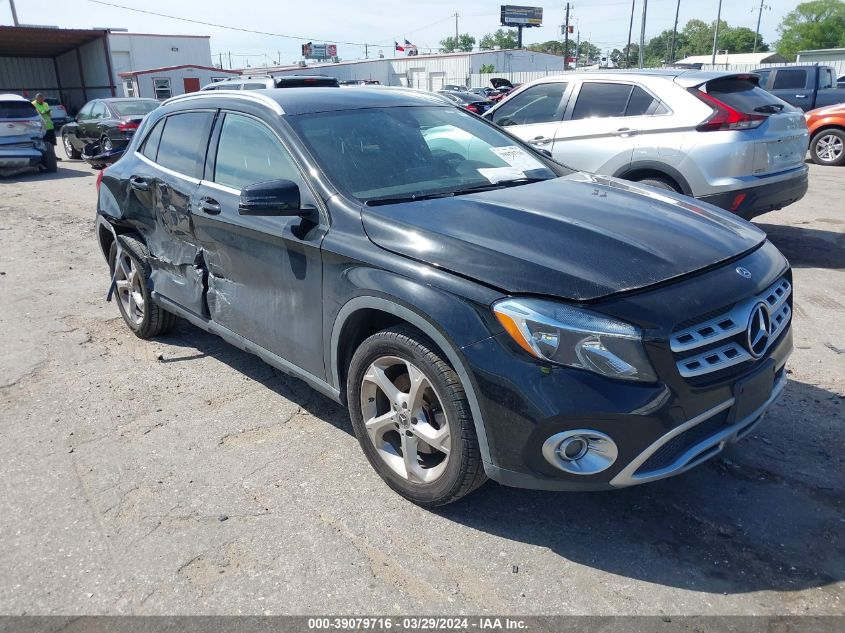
249	95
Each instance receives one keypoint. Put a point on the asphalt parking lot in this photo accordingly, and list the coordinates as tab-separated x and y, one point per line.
184	476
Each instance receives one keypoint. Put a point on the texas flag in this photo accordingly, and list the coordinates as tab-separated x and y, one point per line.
399	48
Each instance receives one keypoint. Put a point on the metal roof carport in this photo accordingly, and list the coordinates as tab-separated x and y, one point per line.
73	65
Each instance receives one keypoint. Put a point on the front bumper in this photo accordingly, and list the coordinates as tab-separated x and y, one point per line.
749	202
660	429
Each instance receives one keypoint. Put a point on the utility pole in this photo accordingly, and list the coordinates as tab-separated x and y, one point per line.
642	33
716	33
577	47
630	31
674	32
230	60
457	15
366	52
14	12
566	40
759	15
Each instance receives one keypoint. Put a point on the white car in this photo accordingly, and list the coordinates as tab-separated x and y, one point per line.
22	143
716	136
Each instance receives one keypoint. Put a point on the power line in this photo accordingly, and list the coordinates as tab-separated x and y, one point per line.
233	28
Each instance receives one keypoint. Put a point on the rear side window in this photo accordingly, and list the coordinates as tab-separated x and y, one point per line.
17	110
642	103
825	78
537	104
601	100
763	75
184	141
150	146
248	152
744	95
254	86
790	79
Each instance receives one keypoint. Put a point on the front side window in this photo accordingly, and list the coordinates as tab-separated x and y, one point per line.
162	89
184	141
248	152
85	112
381	155
825	78
790	79
129	88
538	104
99	111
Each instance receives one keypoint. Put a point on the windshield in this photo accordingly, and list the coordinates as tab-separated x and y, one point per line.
140	107
413	152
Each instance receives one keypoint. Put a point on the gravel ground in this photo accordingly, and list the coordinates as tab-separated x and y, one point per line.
183	476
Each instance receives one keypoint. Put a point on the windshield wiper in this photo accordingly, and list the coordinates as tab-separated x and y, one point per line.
769	108
374	202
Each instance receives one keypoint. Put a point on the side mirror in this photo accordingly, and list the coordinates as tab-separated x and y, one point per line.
273	197
544	152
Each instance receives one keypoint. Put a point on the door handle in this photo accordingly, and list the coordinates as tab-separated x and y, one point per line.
624	131
139	184
540	140
209	205
800	96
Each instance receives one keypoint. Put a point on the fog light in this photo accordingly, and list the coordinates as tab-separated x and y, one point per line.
580	451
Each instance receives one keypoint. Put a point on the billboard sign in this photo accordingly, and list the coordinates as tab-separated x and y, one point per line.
521	16
319	51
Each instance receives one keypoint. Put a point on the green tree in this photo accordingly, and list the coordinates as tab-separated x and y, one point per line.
587	53
740	39
553	47
699	36
503	38
464	43
487	68
816	24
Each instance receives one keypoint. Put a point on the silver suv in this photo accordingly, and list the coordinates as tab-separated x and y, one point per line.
716	136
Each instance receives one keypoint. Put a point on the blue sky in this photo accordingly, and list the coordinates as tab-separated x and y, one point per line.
381	22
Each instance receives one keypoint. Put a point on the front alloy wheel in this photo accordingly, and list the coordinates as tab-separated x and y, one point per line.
412	418
405	420
828	147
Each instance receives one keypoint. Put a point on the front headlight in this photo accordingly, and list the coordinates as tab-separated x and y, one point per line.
576	338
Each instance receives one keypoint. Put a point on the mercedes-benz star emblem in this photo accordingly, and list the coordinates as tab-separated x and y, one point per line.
759	330
744	272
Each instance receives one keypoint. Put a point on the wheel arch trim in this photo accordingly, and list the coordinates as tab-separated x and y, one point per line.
426	327
653	165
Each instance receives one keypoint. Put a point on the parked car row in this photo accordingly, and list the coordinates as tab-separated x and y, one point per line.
481	310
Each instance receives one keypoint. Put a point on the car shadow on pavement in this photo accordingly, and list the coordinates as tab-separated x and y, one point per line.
808	248
766	515
254	368
37	176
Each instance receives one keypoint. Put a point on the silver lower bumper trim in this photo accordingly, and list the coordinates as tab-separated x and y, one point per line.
700	452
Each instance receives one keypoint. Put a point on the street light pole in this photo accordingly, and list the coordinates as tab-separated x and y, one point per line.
14	13
674	32
630	30
642	33
716	33
757	32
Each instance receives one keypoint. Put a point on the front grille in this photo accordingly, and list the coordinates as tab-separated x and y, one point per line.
719	342
669	453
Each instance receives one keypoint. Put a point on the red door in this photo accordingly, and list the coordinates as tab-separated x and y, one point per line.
192	84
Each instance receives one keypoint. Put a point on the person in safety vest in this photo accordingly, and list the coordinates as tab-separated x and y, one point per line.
44	110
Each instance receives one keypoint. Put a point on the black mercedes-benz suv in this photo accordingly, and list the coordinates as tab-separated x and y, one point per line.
481	310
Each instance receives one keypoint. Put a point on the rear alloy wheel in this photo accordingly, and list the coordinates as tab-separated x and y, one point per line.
412	419
70	151
828	147
127	263
106	144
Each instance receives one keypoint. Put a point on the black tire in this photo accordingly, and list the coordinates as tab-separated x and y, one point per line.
104	140
827	136
70	150
51	166
156	320
660	183
463	472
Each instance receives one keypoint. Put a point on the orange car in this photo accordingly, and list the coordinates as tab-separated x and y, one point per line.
827	134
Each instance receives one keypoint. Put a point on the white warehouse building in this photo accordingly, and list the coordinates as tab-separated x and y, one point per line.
428	72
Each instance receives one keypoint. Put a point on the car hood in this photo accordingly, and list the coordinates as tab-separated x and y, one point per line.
580	237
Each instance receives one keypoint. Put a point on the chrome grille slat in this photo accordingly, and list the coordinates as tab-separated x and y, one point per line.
726	326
